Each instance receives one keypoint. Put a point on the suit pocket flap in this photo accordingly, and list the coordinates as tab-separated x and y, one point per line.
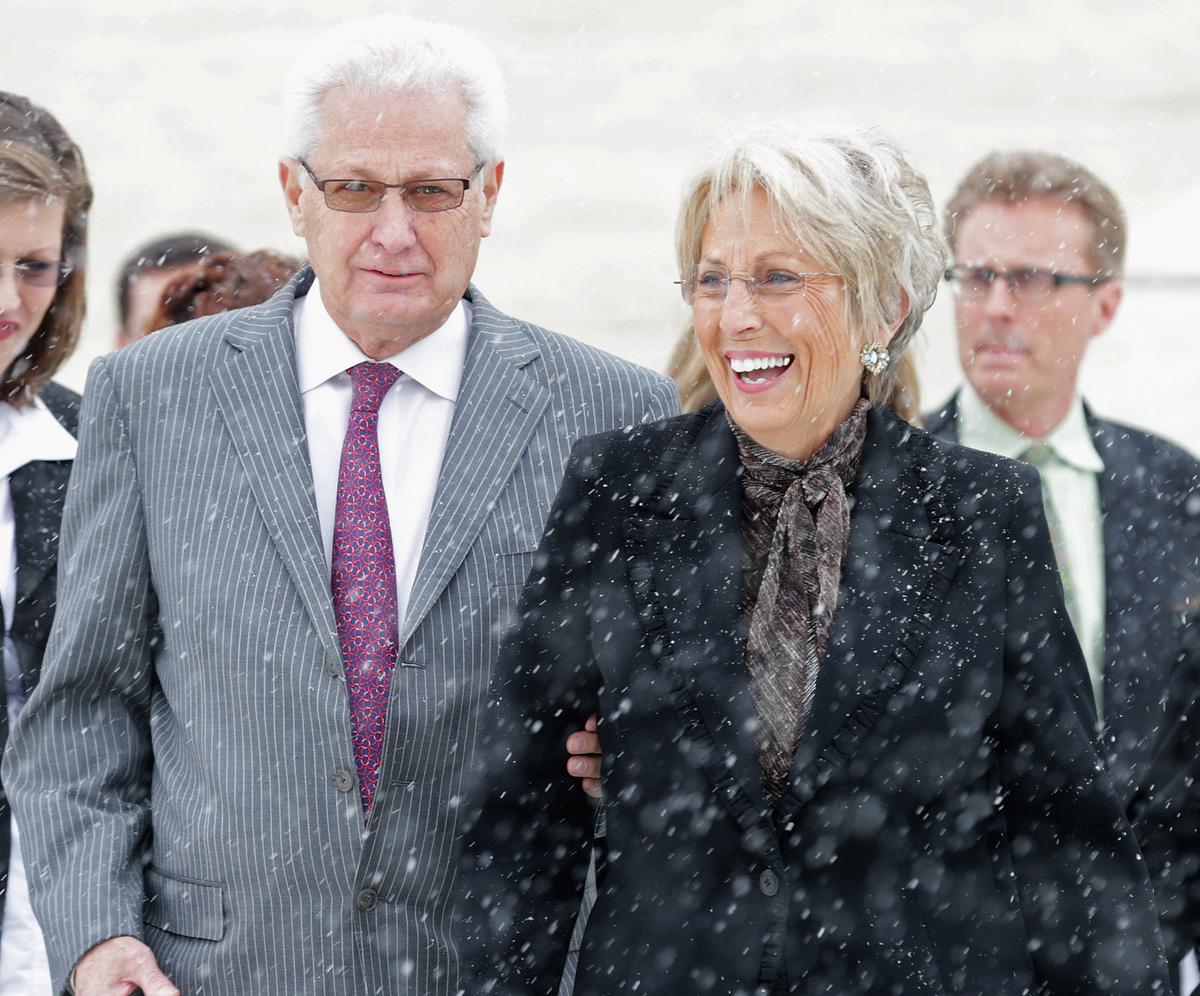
178	906
511	569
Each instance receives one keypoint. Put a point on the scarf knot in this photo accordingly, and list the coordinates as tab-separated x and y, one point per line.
795	528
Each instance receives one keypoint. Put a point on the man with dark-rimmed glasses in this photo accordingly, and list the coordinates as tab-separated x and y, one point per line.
1038	243
297	535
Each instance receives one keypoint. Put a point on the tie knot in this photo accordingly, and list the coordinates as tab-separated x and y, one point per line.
371	382
1039	454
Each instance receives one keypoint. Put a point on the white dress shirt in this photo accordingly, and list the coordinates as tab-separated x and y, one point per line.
1072	481
26	434
414	423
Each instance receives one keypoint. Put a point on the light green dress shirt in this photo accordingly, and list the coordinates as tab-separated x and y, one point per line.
1071	483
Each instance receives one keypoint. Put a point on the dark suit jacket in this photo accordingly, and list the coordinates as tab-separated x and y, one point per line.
948	827
38	492
1167	808
193	697
1150	503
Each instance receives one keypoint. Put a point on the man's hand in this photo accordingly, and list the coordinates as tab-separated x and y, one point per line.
118	967
584	762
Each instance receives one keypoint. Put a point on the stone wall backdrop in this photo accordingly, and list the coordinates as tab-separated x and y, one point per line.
175	104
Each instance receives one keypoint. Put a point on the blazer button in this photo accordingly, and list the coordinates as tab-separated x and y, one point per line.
768	882
366	900
333	667
343	781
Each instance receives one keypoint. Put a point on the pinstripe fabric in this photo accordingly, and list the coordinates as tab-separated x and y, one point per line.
195	662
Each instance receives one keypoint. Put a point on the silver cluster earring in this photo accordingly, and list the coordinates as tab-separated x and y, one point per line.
875	358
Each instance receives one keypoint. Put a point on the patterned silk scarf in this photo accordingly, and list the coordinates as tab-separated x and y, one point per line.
795	528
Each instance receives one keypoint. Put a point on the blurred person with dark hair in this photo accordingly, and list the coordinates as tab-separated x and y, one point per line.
148	270
44	201
1039	249
222	282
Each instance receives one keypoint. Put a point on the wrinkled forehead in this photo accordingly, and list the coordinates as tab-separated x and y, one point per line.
418	122
751	224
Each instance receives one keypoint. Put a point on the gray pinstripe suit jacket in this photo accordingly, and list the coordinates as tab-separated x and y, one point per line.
179	773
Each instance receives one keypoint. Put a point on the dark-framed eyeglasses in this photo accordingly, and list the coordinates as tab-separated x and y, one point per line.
364	196
43	272
710	285
1029	283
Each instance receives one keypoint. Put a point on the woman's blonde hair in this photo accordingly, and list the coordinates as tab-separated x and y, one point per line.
853	202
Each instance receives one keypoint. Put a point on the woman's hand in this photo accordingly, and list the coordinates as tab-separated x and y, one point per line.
583	746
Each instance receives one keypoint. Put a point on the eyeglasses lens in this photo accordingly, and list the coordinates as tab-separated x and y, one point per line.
362	196
977	281
713	287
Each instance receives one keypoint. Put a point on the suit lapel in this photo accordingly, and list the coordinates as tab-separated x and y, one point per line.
499	407
898	567
944	422
686	574
1137	623
1120	547
38	492
257	393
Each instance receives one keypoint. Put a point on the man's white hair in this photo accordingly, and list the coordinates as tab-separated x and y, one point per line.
388	55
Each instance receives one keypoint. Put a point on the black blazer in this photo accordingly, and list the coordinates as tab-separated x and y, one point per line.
38	492
1167	809
948	827
1150	504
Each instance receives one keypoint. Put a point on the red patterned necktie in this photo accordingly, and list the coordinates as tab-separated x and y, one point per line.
363	577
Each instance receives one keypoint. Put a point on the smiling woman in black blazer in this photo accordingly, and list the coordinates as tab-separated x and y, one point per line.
844	715
44	200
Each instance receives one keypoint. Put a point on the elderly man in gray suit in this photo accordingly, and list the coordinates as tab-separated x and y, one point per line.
294	537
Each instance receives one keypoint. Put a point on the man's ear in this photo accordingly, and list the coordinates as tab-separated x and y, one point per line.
291	176
492	177
1108	300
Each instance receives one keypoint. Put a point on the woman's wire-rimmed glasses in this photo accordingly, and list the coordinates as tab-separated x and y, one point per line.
706	285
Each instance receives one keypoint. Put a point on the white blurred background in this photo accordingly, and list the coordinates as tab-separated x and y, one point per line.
176	107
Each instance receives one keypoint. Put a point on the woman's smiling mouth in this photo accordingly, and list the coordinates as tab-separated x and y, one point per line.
757	370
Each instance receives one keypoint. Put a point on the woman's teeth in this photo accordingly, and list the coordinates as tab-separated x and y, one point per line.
749	365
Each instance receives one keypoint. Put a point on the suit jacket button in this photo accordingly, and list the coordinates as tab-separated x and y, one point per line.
333	667
343	781
366	900
768	882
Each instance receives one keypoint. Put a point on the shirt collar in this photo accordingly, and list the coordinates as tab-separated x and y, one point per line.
323	350
982	429
29	434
